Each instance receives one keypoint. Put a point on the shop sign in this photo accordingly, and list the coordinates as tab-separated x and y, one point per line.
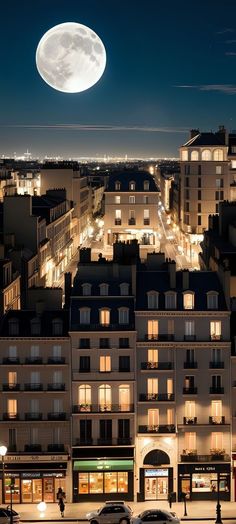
204	468
103	465
31	475
156	473
36	458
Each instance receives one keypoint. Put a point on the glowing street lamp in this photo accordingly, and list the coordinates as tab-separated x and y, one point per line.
3	451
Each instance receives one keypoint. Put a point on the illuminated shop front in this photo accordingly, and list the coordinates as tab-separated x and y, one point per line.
155	483
201	481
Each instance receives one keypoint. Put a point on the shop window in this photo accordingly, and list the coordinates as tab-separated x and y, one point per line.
103	482
153	299
83	484
204	482
86	289
188	299
104	289
104	315
152	326
215	330
84	315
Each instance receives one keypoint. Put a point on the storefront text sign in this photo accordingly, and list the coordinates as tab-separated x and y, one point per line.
36	458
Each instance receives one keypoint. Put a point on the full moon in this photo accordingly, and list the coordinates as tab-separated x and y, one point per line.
70	57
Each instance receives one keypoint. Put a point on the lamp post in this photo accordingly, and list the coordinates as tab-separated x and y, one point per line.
218	505
185	504
3	451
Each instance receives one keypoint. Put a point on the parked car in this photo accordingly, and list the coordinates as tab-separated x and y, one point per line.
5	516
154	516
111	513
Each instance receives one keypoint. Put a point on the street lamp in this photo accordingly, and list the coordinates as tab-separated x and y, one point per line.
3	451
218	505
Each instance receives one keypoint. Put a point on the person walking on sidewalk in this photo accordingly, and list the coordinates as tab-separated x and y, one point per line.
61	501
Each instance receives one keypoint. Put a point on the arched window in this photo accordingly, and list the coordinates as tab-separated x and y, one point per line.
86	289
117	185
13	326
104	397
184	155
104	289
124	397
153	299
84	315
123	315
104	316
132	186
124	288
206	154
212	300
188	300
194	155
170	300
35	326
146	185
84	393
218	155
57	326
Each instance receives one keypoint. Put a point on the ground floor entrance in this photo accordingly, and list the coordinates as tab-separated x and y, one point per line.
156	488
204	481
32	487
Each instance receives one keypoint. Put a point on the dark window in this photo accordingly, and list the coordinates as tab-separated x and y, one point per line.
84	343
186	194
199	220
189	382
124	363
217	195
123	428
12	437
221	195
186	219
85	430
217	208
186	181
105	429
124	342
189	356
84	364
199	169
199	195
216	381
187	207
104	343
187	170
199	182
199	208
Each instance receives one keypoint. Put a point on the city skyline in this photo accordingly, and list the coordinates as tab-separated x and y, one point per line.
168	69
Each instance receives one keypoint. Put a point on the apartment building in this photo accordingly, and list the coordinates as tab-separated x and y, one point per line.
103	379
131	209
9	287
35	404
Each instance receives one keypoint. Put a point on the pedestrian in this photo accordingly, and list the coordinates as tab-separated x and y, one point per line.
170	499
61	501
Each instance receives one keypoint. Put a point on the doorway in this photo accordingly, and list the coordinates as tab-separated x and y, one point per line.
156	488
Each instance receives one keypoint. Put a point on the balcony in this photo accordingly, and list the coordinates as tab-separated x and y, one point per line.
190	365
57	416
215	337
132	221
103	327
11	360
190	420
146	221
11	416
33	416
160	337
103	408
56	448
11	387
156	365
216	420
89	441
156	397
56	360
33	448
104	441
213	457
190	391
189	338
33	387
216	390
117	221
54	386
33	360
168	428
12	448
216	365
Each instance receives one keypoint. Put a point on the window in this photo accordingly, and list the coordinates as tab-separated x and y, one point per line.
84	315
84	364
145	199
186	219
124	363
189	328
104	397
171	327
199	182
12	439
104	343
117	185
186	207
153	299
199	208
146	216
188	300
86	289
152	386
215	330
12	408
216	411
124	289
104	289
216	382
184	155
131	217
190	357
170	416
190	410
117	199
194	156
219	195
131	199
170	300
85	431
105	430
34	352
123	315
199	169
153	419
169	387
84	343
57	327
206	154
217	208
132	186
146	185
190	441
104	363
123	343
199	195
212	300
152	326
118	217
218	155
104	316
216	441
35	326
186	181
13	326
84	393
218	170
124	397
216	356
152	362
219	183
199	220
34	436
187	170
34	407
12	351
233	164
123	428
186	194
12	379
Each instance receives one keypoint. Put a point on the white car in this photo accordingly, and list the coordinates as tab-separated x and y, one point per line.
5	516
154	516
111	513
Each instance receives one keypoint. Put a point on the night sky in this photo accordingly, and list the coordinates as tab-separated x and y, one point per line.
171	66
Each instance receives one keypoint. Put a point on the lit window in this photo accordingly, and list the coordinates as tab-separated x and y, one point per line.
104	317
104	289
84	393
152	362
212	300
117	185
218	155
189	328
194	155
169	385
146	185
152	297
216	411
188	300
170	300
216	442
124	288
123	315
184	155
12	379
233	164
124	397
105	363
131	199
118	213
206	154
117	199
153	419
218	170
152	330
215	330
190	410
104	396
190	441
84	315
152	386
12	408
132	186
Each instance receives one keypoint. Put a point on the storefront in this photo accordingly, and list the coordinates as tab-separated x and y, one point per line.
104	478
234	476
155	483
202	481
31	486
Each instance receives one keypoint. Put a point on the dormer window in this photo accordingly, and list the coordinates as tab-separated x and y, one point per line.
194	156
124	288
188	300
104	317
84	313
86	289
132	186
104	288
123	315
13	326
184	155
153	299
170	300
117	185
212	300
218	155
57	326
35	326
146	185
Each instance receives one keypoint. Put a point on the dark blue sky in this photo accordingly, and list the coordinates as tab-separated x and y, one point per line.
153	48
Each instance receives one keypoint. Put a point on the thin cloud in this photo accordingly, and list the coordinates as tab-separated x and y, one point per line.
228	89
225	30
98	127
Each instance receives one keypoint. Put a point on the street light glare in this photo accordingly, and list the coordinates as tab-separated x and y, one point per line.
3	451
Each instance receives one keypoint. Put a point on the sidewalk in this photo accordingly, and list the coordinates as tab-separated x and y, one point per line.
77	512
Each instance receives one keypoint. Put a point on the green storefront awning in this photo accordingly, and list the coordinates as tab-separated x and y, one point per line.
103	465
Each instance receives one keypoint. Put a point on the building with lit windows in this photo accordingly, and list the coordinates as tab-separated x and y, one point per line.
9	287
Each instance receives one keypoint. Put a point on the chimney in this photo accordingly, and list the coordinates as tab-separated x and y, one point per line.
185	277
85	255
172	273
223	135
194	132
